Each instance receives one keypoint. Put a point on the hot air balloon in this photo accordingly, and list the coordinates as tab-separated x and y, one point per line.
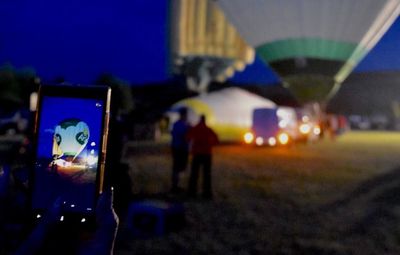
229	111
70	138
313	45
205	46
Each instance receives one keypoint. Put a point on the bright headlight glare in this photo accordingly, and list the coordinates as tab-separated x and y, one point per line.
248	137
272	141
317	130
283	138
305	128
259	141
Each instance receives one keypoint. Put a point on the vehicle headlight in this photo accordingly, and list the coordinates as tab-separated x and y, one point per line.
248	137
272	141
259	141
317	130
305	128
283	138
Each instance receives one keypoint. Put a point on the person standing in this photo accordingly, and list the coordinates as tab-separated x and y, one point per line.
201	139
180	148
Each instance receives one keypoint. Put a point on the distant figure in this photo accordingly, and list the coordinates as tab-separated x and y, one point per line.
201	139
333	126
180	148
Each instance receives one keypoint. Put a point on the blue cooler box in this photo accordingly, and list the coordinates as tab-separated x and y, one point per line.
152	218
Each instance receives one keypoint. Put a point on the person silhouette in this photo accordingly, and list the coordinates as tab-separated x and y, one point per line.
201	139
179	148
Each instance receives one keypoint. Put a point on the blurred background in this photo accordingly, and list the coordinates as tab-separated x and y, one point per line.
327	71
145	46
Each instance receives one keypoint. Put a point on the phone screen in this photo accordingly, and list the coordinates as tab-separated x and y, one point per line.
69	144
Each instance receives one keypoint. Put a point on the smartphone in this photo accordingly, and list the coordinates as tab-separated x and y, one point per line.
71	129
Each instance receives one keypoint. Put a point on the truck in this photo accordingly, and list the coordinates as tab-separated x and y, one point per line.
282	126
273	126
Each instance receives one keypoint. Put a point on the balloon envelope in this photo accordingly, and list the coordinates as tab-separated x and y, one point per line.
228	111
313	45
70	137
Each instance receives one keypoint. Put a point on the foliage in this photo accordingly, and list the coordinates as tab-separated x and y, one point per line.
122	99
16	87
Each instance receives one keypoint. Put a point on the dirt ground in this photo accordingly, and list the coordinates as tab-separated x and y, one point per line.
332	197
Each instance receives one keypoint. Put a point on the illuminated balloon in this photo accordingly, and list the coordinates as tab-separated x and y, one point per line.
70	138
313	45
205	46
228	111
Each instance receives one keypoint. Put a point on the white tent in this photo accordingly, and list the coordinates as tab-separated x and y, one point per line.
228	111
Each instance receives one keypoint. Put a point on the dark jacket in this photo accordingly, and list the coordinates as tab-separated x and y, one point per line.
179	133
201	139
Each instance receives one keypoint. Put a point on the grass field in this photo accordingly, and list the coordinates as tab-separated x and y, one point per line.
332	197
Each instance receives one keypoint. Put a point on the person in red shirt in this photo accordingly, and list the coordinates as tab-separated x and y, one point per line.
201	139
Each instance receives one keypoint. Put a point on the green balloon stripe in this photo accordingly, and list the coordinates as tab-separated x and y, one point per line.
311	48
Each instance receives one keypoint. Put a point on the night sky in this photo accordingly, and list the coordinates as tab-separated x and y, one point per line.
78	40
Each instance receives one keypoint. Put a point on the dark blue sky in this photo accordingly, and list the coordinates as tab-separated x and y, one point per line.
78	40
